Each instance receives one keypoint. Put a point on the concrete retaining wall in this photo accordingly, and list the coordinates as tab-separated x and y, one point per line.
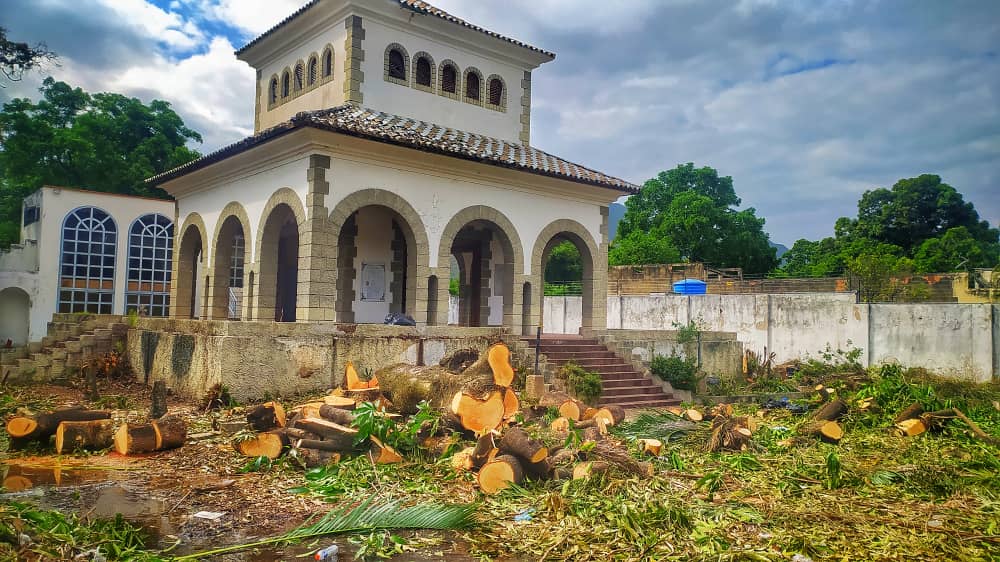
954	339
259	359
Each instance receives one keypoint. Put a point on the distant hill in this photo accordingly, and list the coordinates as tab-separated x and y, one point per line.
781	249
615	213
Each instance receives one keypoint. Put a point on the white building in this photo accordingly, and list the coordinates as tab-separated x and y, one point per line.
85	251
391	137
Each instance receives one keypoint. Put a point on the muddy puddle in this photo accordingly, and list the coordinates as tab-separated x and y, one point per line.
104	492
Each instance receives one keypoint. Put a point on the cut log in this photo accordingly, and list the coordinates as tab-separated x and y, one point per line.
553	399
135	439
158	402
498	356
462	460
382	453
313	458
517	442
593	434
43	426
693	415
651	446
827	431
675	410
342	402
587	469
83	435
910	427
354	382
730	433
572	409
269	444
295	433
336	415
171	432
611	415
541	470
499	474
408	385
910	412
831	411
362	395
318	444
341	436
559	424
484	451
511	404
725	410
267	416
477	415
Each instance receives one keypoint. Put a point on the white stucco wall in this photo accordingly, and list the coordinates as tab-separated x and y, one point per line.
954	339
15	315
410	102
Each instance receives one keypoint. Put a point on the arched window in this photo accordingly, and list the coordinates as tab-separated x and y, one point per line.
313	70
327	62
87	265
423	72
286	83
150	255
449	78
397	65
272	95
472	90
496	92
300	72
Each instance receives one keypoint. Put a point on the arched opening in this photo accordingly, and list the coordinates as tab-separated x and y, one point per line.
376	266
313	70
230	257
397	64
15	317
150	259
327	62
299	76
432	300
485	258
286	84
472	83
87	264
496	92
189	271
564	260
273	91
279	265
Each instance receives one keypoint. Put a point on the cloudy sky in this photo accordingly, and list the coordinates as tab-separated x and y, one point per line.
805	103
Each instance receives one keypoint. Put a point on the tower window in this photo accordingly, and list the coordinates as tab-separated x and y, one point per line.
472	86
397	65
423	71
313	67
449	79
496	92
299	76
273	90
286	84
327	62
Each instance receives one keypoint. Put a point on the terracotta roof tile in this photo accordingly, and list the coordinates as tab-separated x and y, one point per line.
418	6
420	135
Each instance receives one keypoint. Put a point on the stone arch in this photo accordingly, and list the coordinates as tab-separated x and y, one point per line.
282	219
233	221
391	72
419	80
15	316
414	233
510	243
191	251
594	294
495	93
449	84
312	70
273	97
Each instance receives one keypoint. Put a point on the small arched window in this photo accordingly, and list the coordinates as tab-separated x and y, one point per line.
286	84
449	79
327	62
423	68
313	70
397	65
300	72
472	86
273	90
496	92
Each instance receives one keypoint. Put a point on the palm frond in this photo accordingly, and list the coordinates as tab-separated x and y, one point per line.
366	517
660	424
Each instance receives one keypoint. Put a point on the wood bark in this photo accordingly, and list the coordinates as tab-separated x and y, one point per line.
42	426
553	399
408	385
83	435
484	451
322	445
313	458
499	474
831	411
459	360
517	442
135	439
171	432
342	436
267	416
158	401
336	415
729	434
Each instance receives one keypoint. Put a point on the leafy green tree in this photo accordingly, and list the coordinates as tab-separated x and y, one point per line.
564	264
950	252
878	276
692	209
104	142
16	58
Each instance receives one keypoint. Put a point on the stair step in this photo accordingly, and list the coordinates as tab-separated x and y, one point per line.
644	404
619	383
579	355
632	391
42	359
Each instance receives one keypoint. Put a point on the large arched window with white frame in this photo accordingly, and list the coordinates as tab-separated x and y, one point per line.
87	261
150	255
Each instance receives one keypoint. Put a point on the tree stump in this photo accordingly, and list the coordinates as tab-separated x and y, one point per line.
158	405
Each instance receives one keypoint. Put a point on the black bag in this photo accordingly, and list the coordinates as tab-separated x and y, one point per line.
398	319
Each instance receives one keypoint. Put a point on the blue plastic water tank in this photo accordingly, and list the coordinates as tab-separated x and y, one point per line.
690	287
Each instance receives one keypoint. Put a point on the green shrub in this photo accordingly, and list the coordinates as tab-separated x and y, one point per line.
453	287
584	385
681	373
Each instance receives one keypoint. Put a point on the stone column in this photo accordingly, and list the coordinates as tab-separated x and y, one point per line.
599	282
315	299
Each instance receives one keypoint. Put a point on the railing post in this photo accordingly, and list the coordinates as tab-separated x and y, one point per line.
538	344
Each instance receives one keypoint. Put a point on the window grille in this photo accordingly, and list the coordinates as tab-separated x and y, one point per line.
87	262
423	72
312	71
472	86
327	63
397	65
448	79
496	92
150	257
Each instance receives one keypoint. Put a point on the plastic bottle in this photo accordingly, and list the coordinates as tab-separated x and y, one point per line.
329	554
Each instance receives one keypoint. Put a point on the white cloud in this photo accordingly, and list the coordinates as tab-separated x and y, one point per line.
169	27
251	16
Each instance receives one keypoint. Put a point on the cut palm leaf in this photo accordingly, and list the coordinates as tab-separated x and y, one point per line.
366	517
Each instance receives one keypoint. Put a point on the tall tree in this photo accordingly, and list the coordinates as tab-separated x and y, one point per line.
104	142
16	58
564	264
690	210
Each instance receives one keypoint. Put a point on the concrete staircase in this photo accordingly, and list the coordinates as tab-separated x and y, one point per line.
623	385
71	340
